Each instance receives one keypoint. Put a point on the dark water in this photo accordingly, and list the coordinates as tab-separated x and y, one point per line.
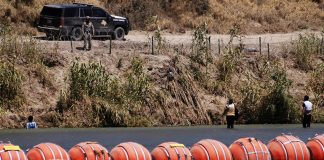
151	137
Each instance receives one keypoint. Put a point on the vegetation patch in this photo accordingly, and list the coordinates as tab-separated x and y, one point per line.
10	87
315	85
304	51
103	99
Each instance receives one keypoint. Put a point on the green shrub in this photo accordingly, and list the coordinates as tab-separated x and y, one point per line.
231	57
304	50
251	92
200	56
267	97
10	86
18	49
200	50
88	80
277	106
159	41
137	83
105	100
316	86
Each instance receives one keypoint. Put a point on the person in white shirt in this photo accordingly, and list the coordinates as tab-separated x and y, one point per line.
230	113
307	111
31	124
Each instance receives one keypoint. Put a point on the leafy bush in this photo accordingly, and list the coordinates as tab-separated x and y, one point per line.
200	55
10	86
231	57
228	63
88	80
251	94
304	50
105	100
200	50
277	106
316	86
137	83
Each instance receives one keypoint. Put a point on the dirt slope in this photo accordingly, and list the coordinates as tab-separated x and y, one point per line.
189	104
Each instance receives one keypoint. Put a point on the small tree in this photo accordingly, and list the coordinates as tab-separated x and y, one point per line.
277	106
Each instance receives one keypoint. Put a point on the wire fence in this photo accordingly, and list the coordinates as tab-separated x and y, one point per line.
263	44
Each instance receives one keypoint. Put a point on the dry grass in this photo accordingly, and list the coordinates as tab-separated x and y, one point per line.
254	16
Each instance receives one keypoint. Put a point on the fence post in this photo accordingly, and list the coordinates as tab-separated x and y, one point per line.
322	45
110	39
152	44
268	45
219	45
260	45
209	43
71	44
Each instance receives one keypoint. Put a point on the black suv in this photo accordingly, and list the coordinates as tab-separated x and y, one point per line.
66	20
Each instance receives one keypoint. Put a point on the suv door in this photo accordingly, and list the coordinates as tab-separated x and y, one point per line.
50	17
99	20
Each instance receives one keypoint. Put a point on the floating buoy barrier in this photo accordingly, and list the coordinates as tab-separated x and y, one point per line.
316	147
88	151
11	152
171	151
130	151
209	149
249	149
47	151
288	147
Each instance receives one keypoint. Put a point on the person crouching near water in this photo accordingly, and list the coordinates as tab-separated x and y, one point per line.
31	124
230	113
88	32
307	111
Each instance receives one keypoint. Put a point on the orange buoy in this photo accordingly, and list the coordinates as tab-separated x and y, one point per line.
249	149
88	151
47	151
171	151
316	147
11	152
209	149
287	147
130	151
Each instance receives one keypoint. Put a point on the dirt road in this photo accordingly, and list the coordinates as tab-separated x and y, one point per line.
141	36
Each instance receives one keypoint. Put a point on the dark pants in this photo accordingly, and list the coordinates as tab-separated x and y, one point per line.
230	121
307	120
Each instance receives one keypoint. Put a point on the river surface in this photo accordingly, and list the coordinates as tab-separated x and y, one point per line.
151	137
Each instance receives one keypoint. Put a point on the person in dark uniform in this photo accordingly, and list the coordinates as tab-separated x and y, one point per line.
88	32
307	111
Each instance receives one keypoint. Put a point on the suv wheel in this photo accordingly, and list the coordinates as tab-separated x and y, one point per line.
119	33
77	34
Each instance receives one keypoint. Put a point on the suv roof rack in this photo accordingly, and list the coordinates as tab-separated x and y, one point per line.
82	4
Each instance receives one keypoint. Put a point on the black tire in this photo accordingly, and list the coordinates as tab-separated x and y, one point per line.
77	34
52	36
119	33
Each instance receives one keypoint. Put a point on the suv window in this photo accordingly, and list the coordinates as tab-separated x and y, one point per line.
49	11
97	12
85	12
71	12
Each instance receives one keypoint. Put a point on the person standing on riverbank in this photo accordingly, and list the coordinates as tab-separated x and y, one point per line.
307	111
31	124
230	113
